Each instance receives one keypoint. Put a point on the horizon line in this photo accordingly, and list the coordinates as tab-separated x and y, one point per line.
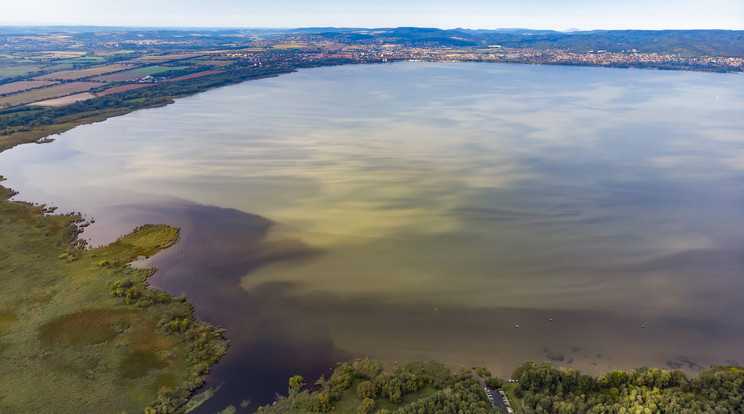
569	30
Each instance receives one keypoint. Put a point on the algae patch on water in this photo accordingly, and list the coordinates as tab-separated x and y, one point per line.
84	327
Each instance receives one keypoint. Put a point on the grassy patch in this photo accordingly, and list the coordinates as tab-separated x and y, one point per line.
143	241
516	403
88	59
138	363
9	71
89	326
135	100
6	319
350	400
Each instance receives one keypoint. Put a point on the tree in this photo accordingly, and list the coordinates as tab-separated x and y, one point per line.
367	406
366	389
494	382
296	382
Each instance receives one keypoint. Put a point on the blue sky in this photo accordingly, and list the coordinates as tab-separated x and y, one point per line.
474	14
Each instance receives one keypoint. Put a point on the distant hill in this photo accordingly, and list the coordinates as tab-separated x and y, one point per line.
686	43
682	42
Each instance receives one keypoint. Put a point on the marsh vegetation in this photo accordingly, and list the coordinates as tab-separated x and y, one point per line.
81	331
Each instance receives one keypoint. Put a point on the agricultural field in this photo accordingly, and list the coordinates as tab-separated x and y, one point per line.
20	86
65	100
87	59
119	77
83	73
194	75
213	62
46	93
123	88
154	70
17	70
58	54
164	58
58	67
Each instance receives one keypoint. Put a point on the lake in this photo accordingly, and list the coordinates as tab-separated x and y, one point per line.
476	214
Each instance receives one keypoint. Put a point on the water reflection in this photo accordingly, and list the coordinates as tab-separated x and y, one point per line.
423	210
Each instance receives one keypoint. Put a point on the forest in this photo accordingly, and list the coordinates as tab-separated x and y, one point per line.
546	389
362	387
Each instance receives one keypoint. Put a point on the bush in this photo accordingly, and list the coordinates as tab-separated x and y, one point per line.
493	382
366	390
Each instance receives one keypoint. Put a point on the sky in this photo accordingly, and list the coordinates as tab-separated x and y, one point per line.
472	14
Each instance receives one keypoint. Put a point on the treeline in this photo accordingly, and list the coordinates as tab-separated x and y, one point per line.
545	389
362	387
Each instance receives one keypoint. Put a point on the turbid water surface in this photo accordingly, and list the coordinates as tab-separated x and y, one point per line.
424	211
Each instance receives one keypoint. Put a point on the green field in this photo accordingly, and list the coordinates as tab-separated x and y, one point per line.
154	70
74	319
9	71
88	59
59	66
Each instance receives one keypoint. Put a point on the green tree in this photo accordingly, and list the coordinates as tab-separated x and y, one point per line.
366	389
367	406
296	382
494	382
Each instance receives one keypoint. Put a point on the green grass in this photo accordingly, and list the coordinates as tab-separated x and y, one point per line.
58	67
88	59
64	330
154	70
516	403
18	70
88	326
350	401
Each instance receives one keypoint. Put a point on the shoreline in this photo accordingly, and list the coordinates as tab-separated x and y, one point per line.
70	314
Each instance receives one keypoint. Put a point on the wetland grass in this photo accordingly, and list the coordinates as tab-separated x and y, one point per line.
80	330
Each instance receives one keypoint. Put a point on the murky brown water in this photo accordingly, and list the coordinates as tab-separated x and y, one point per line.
419	211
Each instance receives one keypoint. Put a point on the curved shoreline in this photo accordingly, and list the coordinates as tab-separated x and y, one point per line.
80	317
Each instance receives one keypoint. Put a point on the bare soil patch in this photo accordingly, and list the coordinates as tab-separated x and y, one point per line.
83	73
124	88
20	86
66	100
47	93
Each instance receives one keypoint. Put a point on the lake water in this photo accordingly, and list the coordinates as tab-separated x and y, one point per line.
477	214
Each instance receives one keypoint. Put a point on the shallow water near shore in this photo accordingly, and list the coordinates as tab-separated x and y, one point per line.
477	214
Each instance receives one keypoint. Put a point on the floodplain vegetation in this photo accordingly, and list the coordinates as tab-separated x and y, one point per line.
418	387
362	387
542	388
80	331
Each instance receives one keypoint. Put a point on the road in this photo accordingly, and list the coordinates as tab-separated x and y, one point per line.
498	399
